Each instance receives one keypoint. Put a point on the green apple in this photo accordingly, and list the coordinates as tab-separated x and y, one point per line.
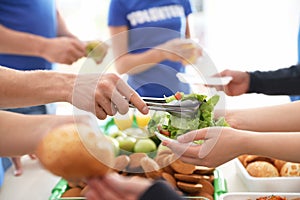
117	134
126	143
96	50
115	144
144	146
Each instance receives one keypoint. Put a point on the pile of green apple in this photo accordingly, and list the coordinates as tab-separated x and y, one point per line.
127	144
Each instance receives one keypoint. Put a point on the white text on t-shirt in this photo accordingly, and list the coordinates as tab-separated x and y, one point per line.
155	14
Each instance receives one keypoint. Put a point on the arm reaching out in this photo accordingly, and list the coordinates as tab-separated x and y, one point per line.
223	144
64	50
277	118
100	94
20	134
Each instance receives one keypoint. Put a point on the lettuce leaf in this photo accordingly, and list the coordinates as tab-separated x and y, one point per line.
179	125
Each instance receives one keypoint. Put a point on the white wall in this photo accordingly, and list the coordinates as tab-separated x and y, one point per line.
252	34
249	35
85	18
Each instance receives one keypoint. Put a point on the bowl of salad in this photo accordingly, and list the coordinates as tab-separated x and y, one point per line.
167	126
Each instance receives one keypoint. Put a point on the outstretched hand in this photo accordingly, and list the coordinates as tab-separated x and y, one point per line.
237	86
220	144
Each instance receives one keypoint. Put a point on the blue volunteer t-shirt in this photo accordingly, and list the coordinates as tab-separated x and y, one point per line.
151	23
32	16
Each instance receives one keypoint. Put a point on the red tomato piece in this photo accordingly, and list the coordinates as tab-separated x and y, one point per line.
178	95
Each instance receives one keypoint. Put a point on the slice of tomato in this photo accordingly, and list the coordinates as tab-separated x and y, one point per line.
178	95
163	131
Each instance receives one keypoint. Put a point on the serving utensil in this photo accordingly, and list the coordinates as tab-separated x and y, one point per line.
187	108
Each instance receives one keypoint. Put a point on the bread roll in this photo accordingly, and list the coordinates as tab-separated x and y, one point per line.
290	169
262	169
181	167
252	158
278	164
134	165
72	192
189	187
151	168
207	186
202	194
84	191
75	152
242	158
121	162
170	179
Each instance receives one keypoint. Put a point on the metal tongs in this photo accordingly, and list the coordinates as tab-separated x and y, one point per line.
187	108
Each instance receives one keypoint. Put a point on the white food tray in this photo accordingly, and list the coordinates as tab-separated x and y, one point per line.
253	196
268	184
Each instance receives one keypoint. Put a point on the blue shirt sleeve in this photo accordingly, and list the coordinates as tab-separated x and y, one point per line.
117	14
187	7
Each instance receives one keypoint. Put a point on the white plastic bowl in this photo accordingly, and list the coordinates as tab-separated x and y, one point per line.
268	184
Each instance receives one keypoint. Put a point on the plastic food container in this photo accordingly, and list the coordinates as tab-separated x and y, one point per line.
220	186
269	184
254	196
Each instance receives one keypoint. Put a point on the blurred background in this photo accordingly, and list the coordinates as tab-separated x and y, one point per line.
237	34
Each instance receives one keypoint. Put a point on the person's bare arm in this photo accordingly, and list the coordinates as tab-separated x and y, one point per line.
101	94
20	134
177	50
187	30
20	88
62	29
283	146
222	144
61	50
267	119
21	43
130	63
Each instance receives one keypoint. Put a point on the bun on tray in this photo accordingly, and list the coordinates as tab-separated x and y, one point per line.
252	158
290	169
259	166
262	169
75	152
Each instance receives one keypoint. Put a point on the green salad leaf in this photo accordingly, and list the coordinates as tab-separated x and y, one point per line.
174	126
